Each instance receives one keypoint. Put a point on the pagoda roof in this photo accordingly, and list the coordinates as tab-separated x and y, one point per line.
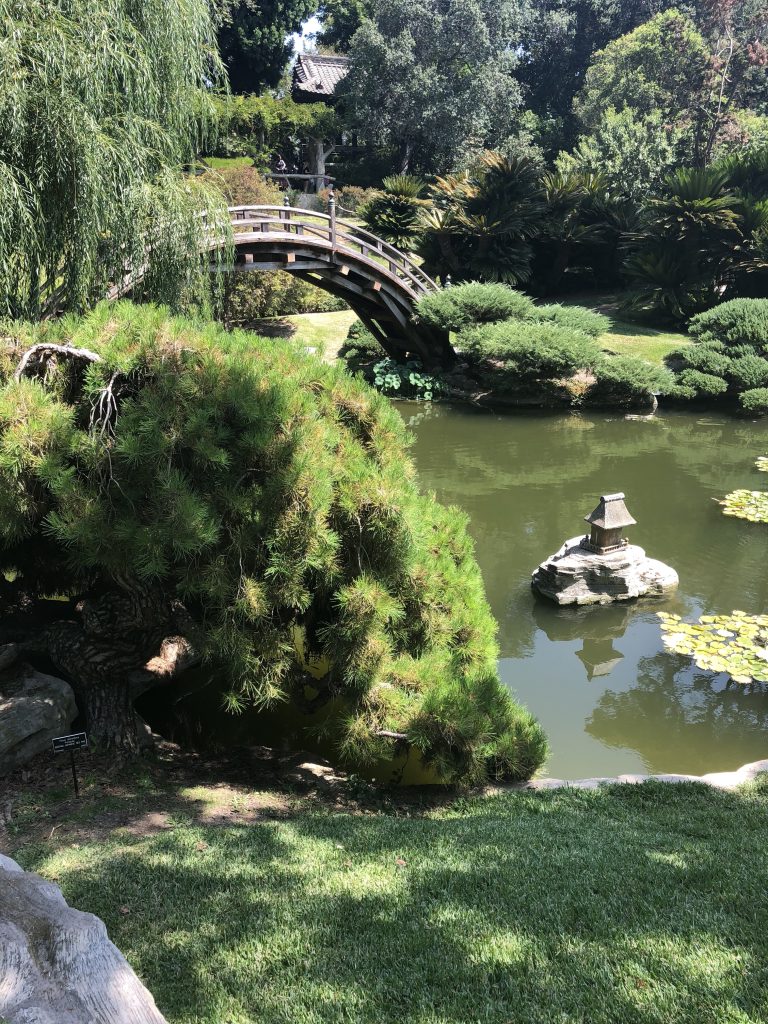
316	76
611	513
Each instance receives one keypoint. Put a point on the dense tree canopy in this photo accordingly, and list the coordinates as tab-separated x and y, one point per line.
560	39
217	495
100	104
252	39
434	79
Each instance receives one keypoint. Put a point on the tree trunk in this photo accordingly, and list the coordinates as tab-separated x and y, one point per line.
317	160
126	642
110	719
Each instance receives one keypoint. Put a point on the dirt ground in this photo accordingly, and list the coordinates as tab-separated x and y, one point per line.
146	795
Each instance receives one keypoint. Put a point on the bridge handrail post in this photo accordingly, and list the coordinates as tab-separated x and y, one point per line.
332	214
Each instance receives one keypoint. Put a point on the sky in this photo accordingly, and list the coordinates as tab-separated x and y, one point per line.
300	40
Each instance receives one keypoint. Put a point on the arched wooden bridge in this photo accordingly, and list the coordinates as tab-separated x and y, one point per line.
380	283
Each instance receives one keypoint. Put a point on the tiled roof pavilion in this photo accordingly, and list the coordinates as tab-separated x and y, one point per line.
315	76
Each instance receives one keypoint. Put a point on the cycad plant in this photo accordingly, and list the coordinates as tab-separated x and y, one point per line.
484	220
699	239
395	212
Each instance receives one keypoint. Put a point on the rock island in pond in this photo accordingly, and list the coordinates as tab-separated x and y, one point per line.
603	567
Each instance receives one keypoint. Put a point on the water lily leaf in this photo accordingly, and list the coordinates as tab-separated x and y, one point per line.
735	643
749	505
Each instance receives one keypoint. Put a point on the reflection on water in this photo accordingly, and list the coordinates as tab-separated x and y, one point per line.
611	699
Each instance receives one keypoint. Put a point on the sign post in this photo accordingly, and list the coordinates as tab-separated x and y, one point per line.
70	743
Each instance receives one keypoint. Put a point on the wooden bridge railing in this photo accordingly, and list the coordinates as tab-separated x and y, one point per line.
341	236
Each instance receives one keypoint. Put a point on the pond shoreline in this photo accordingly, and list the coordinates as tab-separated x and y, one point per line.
718	780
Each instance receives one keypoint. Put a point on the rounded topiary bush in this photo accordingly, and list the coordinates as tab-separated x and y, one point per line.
755	401
466	305
235	494
360	345
628	381
575	318
730	355
738	322
531	351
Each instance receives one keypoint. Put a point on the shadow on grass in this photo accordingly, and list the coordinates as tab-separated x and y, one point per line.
643	904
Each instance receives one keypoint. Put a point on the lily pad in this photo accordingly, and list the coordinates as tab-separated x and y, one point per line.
735	643
762	464
749	505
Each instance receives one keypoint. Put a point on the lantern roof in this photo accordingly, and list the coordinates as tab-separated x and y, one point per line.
611	513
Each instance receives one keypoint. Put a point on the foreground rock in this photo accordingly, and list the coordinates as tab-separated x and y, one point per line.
57	965
577	576
33	709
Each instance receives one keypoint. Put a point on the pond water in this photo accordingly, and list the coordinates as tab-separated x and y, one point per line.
609	697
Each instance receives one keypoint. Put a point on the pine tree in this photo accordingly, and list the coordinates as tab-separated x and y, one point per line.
203	495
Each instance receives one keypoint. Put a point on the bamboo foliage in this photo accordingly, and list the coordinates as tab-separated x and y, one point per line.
101	104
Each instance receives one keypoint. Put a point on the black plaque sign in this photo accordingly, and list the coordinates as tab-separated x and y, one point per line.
69	744
74	741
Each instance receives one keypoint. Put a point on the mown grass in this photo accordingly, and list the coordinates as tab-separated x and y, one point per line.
634	905
626	338
326	332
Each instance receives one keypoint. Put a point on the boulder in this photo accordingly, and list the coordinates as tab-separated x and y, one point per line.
57	965
578	576
33	709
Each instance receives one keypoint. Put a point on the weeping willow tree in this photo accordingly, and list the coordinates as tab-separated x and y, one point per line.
101	104
203	495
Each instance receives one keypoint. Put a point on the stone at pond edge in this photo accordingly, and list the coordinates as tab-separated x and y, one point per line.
576	576
57	965
33	709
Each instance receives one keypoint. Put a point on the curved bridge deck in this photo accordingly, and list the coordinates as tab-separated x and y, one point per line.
380	283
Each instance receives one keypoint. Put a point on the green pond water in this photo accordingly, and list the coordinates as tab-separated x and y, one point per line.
609	696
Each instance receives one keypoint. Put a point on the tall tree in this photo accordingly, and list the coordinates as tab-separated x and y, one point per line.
434	79
560	39
341	19
253	39
101	101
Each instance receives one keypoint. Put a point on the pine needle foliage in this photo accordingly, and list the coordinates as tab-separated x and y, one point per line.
101	104
274	496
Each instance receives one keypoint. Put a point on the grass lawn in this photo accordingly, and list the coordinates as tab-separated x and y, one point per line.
239	904
326	332
227	163
631	339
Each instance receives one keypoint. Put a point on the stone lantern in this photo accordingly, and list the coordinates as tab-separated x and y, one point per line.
603	567
607	521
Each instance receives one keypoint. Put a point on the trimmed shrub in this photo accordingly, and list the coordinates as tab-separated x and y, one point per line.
755	401
532	351
575	318
245	186
360	346
708	359
702	383
730	355
627	380
738	322
749	372
465	305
